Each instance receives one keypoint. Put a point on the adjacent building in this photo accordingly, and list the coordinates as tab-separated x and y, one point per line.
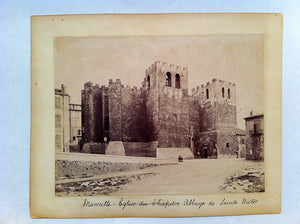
62	120
255	137
75	125
241	141
67	121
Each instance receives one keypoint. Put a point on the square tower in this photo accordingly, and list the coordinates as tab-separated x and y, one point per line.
218	121
166	88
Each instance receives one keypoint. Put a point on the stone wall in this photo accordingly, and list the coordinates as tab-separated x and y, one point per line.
133	115
216	91
167	105
74	148
162	111
227	145
173	119
225	115
217	119
194	123
140	149
96	148
150	89
92	113
207	145
115	110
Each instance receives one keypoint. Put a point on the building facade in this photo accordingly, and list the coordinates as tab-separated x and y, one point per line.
67	122
241	141
255	137
62	120
75	124
161	112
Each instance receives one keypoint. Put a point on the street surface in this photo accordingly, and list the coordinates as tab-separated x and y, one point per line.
189	177
167	177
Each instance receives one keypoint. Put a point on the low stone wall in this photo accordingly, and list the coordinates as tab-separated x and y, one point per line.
140	149
174	153
95	148
74	148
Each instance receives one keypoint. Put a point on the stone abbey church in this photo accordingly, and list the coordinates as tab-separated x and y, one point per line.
160	119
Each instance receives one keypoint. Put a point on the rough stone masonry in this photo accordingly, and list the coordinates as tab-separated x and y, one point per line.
162	115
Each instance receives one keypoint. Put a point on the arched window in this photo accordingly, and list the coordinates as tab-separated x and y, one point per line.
148	82
168	79
223	92
177	81
207	94
228	93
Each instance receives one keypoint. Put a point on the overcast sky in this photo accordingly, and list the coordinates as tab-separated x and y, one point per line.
236	58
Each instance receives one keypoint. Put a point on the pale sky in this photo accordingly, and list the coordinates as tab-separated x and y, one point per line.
235	58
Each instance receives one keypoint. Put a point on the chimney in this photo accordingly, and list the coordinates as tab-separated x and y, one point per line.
63	88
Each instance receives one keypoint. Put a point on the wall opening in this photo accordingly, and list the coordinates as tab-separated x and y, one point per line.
227	145
57	120
106	123
207	94
223	92
57	102
148	82
177	81
228	93
168	79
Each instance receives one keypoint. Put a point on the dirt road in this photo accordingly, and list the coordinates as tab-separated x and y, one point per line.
189	177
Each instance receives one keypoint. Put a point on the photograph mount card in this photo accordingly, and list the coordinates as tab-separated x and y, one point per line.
140	122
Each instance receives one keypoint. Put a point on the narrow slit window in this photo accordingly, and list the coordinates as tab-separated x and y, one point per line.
148	82
223	92
168	79
106	123
177	81
207	94
228	93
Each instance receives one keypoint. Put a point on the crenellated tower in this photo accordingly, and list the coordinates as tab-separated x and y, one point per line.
218	120
95	111
166	93
160	118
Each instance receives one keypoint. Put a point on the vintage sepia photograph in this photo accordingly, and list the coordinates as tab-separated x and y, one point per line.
159	115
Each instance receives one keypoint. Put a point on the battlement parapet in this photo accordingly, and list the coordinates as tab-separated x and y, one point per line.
165	66
219	82
151	68
117	82
197	91
91	86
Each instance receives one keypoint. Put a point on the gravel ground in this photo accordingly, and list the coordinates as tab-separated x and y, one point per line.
89	178
103	186
80	169
247	180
